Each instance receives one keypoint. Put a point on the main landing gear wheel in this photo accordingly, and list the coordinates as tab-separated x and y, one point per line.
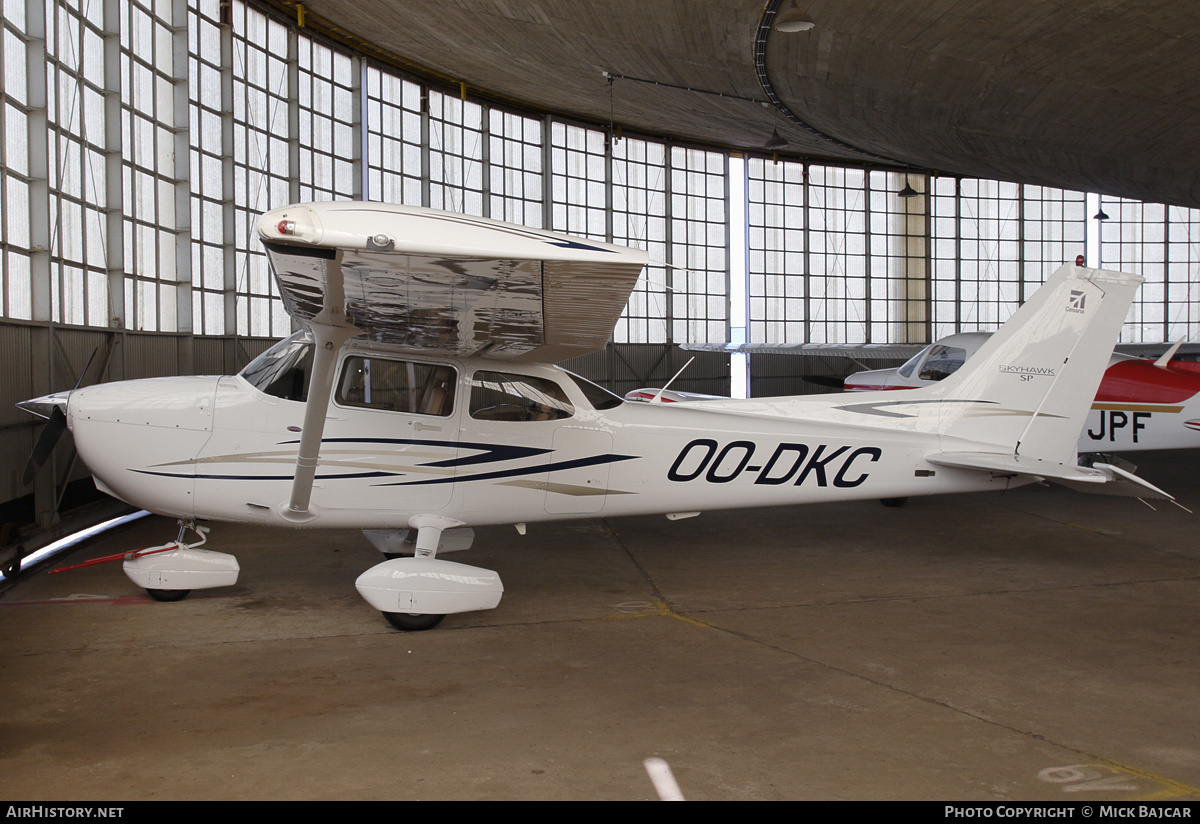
168	595
410	622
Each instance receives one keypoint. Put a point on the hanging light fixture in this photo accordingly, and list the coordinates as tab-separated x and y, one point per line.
1100	215
794	22
775	141
908	191
790	19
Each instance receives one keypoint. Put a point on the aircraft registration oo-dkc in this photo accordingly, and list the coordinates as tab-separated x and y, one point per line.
420	401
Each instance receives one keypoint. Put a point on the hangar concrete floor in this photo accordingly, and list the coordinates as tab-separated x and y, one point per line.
1038	644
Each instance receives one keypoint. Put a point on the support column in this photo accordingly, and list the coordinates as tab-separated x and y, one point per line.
228	178
425	166
113	212
358	126
181	133
38	139
293	120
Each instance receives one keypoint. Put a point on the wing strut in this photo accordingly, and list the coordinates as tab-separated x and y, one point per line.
330	329
329	340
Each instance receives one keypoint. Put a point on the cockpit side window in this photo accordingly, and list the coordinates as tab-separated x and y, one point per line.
397	386
943	361
501	396
284	370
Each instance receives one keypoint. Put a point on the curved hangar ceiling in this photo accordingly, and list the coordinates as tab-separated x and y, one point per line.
1099	97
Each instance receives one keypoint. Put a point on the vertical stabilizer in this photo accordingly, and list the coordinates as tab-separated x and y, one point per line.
1028	390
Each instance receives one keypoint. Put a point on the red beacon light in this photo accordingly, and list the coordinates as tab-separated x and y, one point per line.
1078	258
286	227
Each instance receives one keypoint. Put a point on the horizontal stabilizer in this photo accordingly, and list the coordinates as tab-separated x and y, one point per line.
1102	478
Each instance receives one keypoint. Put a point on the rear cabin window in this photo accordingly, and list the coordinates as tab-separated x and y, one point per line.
397	386
501	396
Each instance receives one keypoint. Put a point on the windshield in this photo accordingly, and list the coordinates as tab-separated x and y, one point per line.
911	364
284	370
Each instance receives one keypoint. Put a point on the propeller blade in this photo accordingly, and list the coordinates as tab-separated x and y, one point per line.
56	424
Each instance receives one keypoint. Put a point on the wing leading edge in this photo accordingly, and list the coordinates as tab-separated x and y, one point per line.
448	284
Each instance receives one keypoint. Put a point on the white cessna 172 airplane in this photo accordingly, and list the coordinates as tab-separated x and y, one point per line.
421	398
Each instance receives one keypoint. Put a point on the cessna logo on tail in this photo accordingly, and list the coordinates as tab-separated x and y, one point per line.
1076	302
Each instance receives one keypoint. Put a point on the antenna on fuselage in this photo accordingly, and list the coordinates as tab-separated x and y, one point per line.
1162	362
658	397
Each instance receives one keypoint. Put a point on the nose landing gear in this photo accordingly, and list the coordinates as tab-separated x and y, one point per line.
170	572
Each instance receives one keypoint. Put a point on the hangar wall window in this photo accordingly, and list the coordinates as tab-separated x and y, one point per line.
517	178
897	261
262	167
1162	244
639	218
775	236
994	243
976	262
393	124
156	239
211	242
76	120
327	103
834	256
837	255
578	182
455	154
699	242
1053	232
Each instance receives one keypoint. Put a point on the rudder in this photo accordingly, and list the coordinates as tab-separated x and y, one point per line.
1028	389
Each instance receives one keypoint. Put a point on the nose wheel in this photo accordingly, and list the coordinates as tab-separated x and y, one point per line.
168	595
412	622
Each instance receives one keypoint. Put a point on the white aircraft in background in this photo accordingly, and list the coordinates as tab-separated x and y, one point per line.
1140	404
421	400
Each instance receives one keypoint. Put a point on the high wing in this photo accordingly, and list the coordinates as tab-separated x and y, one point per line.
442	283
435	283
